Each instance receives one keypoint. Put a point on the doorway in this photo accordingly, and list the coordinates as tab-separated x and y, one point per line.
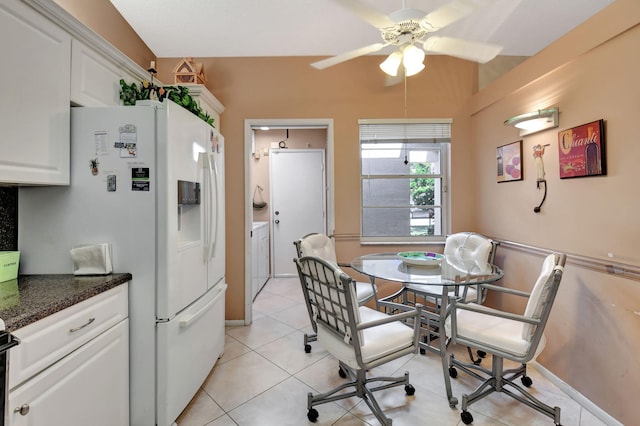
255	156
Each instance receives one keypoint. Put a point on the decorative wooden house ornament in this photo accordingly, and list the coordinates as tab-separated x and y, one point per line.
188	71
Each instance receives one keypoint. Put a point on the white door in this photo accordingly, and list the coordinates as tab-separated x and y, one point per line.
298	202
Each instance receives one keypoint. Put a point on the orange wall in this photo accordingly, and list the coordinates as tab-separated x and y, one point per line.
593	338
285	88
104	19
288	87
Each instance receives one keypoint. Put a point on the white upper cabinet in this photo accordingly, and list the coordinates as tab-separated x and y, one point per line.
35	87
94	79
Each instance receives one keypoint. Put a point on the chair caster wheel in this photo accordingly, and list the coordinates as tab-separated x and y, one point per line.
342	373
409	390
482	354
453	373
307	348
312	415
466	417
526	380
423	351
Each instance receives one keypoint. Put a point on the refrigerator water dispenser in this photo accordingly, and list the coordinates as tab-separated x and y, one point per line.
188	210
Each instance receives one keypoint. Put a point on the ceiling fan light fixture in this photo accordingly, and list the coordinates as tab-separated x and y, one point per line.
392	63
412	60
413	69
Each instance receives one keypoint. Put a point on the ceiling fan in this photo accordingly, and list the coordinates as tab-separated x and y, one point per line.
406	28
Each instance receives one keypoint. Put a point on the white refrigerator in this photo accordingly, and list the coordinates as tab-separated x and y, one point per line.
149	180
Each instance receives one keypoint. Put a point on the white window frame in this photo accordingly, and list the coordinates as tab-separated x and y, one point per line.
410	130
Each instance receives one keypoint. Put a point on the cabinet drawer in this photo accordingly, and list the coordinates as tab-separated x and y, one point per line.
90	386
46	341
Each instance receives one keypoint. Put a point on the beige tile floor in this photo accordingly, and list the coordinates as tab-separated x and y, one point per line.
264	376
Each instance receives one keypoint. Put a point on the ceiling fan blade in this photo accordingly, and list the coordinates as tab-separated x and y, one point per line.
367	13
448	14
464	49
334	60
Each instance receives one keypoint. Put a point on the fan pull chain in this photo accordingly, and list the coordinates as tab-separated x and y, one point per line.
405	95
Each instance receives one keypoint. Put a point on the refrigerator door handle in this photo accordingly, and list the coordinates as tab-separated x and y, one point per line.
210	209
190	319
213	220
210	214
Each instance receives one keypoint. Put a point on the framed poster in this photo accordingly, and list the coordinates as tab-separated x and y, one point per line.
509	159
581	151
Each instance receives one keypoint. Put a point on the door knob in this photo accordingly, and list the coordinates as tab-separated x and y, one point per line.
277	221
23	409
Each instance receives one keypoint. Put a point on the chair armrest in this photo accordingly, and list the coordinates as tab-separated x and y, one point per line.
500	289
395	306
413	313
481	309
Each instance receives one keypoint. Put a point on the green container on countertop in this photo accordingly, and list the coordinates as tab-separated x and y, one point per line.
9	263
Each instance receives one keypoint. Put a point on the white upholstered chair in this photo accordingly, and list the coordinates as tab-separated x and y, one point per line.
320	245
506	335
359	337
466	248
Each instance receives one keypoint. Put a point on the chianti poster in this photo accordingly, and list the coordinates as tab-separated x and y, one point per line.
581	150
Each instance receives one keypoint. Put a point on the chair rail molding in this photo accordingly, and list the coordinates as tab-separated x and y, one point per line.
619	269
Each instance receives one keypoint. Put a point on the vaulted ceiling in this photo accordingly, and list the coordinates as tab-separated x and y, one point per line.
237	28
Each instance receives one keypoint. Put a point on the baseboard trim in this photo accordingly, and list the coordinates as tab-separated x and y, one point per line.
598	412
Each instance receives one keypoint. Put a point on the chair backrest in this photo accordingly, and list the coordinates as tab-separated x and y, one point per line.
469	245
542	296
316	245
330	297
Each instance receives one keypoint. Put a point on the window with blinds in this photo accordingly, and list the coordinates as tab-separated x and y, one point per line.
403	180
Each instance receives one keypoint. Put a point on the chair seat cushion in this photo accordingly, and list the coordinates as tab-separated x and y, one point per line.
492	331
379	341
364	291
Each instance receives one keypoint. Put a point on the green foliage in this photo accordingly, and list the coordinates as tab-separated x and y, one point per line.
130	93
422	189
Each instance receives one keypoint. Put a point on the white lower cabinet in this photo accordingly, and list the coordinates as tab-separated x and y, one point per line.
88	387
89	384
260	257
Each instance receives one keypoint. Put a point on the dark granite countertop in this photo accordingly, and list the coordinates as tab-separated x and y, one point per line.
33	297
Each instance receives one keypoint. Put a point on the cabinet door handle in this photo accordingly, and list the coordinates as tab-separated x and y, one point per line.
73	330
23	409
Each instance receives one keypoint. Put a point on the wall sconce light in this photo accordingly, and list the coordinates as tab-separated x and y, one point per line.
533	122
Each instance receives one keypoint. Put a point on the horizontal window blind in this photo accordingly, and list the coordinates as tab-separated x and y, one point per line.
386	131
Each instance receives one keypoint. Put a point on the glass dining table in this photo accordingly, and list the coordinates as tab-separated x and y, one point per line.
431	284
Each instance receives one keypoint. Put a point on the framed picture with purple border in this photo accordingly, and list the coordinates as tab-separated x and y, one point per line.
509	159
581	151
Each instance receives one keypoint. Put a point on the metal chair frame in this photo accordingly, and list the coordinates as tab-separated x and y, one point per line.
498	379
329	296
309	338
